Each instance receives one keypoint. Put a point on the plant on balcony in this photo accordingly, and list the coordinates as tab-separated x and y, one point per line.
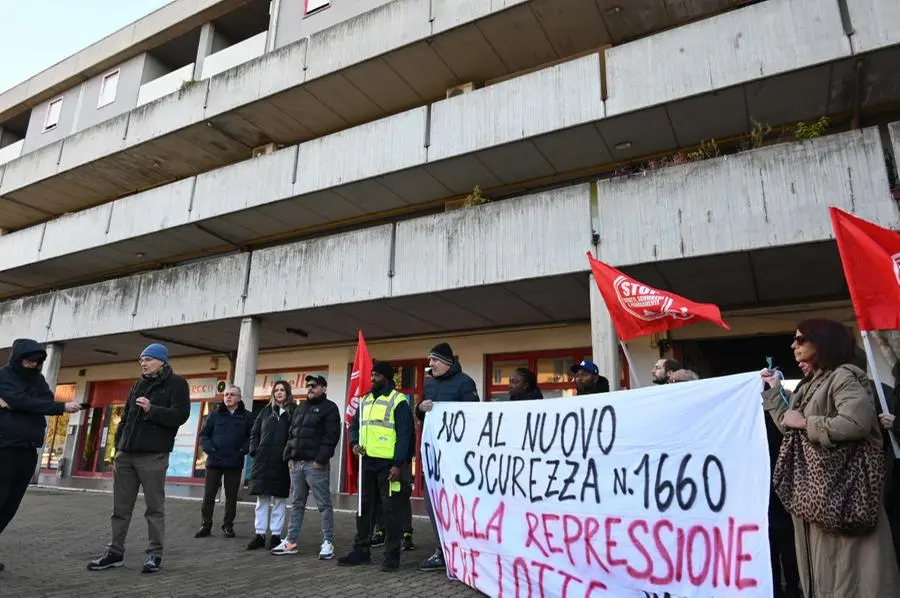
756	138
811	130
186	85
475	198
705	151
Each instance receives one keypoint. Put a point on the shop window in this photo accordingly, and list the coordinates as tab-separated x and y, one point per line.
551	367
57	428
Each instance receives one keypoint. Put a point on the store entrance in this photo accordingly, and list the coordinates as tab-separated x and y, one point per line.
722	357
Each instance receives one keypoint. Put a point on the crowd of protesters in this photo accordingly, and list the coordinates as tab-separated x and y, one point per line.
292	443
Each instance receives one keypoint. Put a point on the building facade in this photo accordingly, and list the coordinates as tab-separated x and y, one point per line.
251	182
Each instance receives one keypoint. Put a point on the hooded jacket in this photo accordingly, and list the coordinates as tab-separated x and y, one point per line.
532	394
170	406
29	397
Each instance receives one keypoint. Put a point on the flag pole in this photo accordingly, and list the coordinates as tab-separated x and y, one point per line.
359	477
879	390
632	371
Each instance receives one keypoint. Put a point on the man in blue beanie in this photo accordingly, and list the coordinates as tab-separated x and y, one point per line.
158	404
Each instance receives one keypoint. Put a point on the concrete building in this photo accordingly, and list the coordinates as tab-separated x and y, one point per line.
251	182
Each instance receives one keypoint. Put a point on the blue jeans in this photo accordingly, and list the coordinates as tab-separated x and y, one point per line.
303	478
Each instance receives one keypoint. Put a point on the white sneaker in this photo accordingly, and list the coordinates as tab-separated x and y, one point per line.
286	547
326	553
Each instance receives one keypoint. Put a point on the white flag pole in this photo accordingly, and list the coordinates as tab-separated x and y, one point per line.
632	371
359	477
879	390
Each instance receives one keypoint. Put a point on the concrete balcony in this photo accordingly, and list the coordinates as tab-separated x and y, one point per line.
234	55
485	282
510	135
752	228
403	54
11	152
165	85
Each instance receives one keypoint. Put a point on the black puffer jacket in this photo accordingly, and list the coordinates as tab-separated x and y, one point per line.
269	474
225	437
170	406
29	398
315	431
452	386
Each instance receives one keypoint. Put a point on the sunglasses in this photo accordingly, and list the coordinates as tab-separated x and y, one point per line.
799	339
311	386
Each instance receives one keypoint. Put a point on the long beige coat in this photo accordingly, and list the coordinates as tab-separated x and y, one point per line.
840	409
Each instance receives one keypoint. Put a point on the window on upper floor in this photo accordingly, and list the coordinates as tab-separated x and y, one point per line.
108	88
54	109
315	5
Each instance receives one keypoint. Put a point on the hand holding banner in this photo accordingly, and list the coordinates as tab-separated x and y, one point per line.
661	491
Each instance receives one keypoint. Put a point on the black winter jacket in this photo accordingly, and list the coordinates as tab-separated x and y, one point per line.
225	437
29	398
315	431
532	394
452	386
170	406
404	449
269	474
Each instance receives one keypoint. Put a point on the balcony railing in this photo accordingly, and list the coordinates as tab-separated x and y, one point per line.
11	152
163	86
234	55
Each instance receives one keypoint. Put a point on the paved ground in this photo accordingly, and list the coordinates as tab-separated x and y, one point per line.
47	547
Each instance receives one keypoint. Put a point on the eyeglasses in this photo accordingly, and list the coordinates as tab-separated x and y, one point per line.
799	339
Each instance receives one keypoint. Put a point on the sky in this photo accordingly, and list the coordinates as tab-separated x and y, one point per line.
38	34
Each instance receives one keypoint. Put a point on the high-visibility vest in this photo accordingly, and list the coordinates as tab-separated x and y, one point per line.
377	427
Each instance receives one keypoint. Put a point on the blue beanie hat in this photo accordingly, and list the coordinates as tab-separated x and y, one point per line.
156	351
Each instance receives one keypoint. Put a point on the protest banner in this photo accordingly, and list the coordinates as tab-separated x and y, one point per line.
655	492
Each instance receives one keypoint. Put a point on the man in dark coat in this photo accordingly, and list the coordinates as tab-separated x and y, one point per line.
158	404
380	433
315	433
25	400
588	380
225	439
447	383
270	478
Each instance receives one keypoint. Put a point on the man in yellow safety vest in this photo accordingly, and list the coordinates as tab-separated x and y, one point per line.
381	432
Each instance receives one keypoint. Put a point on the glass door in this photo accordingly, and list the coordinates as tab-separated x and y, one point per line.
112	416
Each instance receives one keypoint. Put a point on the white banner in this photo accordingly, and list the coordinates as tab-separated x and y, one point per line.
659	491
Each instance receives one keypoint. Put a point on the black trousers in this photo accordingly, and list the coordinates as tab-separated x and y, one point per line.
214	476
16	468
784	557
395	509
405	525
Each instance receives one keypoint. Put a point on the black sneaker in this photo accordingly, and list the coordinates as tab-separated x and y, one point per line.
354	558
434	563
273	541
107	560
256	543
377	538
205	531
151	565
408	541
228	531
389	565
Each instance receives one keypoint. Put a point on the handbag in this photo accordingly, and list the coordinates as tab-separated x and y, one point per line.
838	489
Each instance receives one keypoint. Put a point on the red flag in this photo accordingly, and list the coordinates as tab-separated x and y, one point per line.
360	381
871	258
637	309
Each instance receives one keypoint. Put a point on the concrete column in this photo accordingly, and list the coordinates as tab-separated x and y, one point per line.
271	34
50	371
604	340
204	48
245	362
